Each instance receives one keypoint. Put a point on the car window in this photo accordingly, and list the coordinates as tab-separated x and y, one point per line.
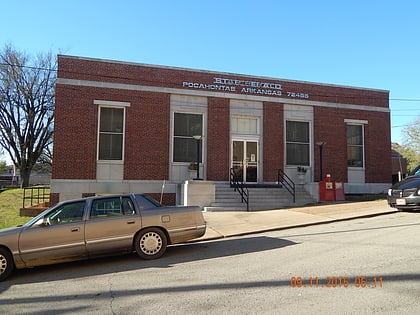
69	212
147	202
111	207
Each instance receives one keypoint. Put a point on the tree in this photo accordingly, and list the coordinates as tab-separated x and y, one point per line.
411	143
26	107
3	167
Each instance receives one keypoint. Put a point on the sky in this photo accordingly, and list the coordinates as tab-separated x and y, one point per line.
362	43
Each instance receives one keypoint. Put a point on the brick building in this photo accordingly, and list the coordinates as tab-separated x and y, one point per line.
128	127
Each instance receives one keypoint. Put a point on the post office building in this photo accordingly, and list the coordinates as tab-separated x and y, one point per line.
184	135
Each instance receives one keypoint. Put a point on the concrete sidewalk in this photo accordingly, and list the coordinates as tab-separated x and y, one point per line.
224	224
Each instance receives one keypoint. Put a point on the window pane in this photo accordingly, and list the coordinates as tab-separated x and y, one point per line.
69	212
185	150
297	131
112	120
297	154
355	146
354	135
297	143
111	207
185	146
245	125
187	125
110	146
355	156
111	128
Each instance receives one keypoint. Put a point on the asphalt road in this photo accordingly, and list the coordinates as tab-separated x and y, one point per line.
363	266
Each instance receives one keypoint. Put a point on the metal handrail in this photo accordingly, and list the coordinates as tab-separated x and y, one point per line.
287	183
240	187
36	195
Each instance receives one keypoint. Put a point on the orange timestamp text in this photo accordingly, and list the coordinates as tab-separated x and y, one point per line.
336	282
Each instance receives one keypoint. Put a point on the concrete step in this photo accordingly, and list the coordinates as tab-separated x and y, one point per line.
261	198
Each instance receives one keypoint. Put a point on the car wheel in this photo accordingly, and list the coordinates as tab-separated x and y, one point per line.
6	264
150	243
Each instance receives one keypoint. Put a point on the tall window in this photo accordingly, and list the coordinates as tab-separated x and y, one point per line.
355	146
297	143
111	133
186	126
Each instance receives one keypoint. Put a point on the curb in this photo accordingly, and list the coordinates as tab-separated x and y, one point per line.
293	226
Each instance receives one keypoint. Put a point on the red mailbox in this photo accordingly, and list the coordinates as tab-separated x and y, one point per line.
326	189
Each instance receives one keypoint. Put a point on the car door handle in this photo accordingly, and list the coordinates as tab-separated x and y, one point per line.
131	222
75	229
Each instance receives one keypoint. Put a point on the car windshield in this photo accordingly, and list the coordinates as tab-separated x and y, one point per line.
416	170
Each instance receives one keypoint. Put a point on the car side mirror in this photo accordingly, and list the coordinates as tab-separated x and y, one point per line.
40	222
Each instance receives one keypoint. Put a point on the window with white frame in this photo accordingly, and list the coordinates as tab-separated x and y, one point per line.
355	146
245	125
186	127
111	133
297	143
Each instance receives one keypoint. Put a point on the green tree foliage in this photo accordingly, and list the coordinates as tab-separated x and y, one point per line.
411	144
26	107
3	167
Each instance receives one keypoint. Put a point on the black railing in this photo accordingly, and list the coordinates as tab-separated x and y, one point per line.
36	195
240	187
287	183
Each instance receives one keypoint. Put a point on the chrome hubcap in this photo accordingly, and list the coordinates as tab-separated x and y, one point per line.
3	264
150	243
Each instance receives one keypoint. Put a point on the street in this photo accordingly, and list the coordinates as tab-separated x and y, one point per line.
361	266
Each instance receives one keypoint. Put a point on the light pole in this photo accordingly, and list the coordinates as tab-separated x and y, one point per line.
198	139
320	144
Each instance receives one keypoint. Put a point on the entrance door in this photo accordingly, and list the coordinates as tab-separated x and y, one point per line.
245	160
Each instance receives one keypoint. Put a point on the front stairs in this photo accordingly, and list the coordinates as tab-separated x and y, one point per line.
261	197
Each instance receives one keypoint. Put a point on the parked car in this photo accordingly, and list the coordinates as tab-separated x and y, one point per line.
405	195
97	226
416	170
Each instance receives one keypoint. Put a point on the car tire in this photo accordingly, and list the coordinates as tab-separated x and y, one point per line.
7	264
150	243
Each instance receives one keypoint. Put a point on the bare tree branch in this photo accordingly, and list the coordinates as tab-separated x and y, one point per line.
26	108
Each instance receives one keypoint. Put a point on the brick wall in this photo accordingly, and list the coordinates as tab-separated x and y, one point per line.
127	73
54	199
148	122
147	137
75	133
331	128
167	199
273	141
218	139
378	150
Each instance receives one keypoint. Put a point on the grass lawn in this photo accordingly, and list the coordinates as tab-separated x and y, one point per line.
10	204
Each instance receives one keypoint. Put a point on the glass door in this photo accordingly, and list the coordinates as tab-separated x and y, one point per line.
245	160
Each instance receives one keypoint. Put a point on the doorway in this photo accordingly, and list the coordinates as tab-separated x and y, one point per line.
245	160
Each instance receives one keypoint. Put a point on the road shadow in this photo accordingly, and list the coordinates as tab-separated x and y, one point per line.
356	230
174	255
386	280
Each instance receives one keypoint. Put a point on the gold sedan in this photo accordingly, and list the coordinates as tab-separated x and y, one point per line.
98	226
